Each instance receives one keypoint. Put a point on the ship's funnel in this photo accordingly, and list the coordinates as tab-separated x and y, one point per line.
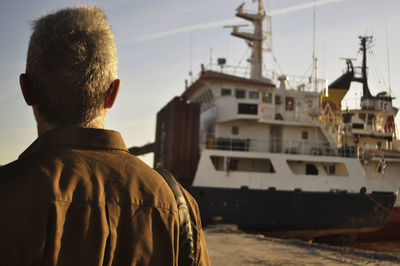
337	90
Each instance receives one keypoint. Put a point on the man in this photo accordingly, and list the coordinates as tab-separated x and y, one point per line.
76	196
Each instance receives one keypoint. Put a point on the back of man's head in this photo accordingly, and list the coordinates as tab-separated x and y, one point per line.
71	63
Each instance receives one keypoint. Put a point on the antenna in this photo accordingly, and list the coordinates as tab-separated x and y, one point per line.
387	52
191	52
315	59
211	55
313	50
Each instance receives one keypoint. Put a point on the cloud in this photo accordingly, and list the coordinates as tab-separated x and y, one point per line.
221	23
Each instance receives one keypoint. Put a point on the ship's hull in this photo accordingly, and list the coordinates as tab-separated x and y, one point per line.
294	213
390	231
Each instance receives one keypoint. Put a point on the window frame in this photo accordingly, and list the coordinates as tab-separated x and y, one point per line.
226	90
240	91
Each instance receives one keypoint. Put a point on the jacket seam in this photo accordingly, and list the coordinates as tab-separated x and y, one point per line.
126	204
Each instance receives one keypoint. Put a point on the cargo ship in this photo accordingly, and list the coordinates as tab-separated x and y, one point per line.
273	154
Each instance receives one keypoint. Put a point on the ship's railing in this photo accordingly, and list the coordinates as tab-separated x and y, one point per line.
294	82
276	145
236	70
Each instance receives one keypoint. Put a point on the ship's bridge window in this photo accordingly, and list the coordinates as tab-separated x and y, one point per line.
240	94
256	165
226	92
266	97
253	95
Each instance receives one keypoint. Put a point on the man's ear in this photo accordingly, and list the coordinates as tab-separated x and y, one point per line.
27	90
112	94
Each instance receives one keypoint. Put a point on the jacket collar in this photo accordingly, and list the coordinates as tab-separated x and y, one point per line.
89	138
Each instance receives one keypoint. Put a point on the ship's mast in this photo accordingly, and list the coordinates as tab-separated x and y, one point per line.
364	79
364	39
255	39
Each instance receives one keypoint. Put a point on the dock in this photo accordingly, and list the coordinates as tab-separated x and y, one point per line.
229	246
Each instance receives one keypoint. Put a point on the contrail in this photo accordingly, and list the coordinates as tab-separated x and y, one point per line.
221	23
291	9
201	26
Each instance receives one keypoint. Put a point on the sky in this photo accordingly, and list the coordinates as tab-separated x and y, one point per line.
159	42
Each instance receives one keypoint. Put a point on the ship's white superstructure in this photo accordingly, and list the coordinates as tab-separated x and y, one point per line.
251	140
283	129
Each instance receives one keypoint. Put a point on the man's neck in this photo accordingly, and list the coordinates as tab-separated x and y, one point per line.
43	126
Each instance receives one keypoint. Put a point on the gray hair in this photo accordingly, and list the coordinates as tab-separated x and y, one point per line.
71	63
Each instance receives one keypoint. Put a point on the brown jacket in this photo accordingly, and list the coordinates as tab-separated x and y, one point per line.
77	197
